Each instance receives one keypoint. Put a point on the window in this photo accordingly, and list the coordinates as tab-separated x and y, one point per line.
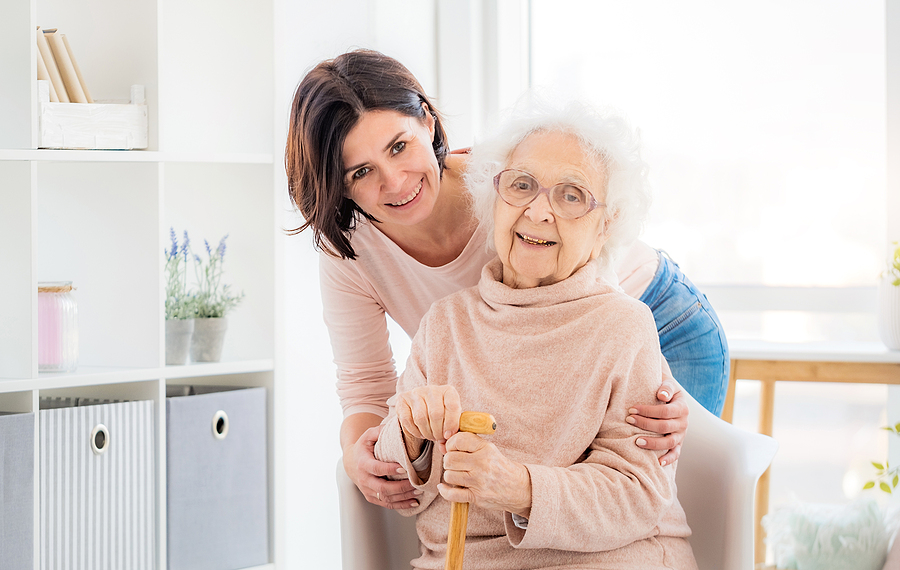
764	126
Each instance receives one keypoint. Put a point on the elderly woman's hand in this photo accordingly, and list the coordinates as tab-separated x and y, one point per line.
476	472
429	412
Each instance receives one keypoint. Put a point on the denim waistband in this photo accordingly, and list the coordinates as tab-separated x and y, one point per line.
666	273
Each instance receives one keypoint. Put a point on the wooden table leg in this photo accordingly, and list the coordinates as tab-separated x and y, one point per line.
766	420
728	408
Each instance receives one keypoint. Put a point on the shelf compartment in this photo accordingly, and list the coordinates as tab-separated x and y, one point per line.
18	311
216	93
99	229
18	68
17	470
116	44
211	201
17	402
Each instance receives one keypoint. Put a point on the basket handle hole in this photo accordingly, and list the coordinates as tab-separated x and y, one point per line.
99	439
220	424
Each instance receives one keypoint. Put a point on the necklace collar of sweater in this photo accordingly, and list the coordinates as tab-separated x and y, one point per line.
580	284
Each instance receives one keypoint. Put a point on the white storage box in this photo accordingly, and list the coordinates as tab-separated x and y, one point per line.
98	487
216	479
92	126
17	491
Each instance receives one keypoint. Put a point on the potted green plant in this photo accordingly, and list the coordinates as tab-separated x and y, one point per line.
213	301
180	304
889	301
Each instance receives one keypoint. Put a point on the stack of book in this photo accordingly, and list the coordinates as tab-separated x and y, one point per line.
57	64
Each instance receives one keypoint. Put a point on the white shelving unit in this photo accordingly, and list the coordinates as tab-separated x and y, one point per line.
101	219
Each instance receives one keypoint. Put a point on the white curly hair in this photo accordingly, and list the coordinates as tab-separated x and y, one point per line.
605	135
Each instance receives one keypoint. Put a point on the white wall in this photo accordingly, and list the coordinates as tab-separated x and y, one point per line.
308	31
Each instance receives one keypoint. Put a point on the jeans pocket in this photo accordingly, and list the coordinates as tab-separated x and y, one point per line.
681	318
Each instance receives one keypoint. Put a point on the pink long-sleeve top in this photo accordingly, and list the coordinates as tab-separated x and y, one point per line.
384	279
557	366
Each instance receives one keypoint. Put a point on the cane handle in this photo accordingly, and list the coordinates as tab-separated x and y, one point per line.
477	422
472	422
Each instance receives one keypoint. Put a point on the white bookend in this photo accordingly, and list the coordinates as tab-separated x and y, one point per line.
93	126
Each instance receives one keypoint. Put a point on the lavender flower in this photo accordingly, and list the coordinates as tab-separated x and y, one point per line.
221	249
214	299
185	246
179	303
211	298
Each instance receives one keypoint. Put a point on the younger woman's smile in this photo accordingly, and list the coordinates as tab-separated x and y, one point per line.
412	195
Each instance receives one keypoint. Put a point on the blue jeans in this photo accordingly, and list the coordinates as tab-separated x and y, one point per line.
690	335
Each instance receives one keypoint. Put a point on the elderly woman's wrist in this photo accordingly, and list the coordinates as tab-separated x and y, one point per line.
413	445
521	505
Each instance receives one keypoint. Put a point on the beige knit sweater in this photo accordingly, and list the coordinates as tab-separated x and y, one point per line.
558	366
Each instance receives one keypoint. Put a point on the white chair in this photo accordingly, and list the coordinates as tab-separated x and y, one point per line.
716	478
372	537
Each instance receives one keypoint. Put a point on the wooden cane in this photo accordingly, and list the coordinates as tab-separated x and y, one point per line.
472	422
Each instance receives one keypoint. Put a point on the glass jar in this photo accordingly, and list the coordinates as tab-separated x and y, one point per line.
57	327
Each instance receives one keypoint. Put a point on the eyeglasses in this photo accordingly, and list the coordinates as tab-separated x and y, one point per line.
518	188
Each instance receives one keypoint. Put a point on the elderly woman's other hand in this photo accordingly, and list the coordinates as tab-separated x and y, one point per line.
476	472
669	419
428	412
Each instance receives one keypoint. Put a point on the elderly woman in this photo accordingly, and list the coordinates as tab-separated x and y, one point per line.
556	354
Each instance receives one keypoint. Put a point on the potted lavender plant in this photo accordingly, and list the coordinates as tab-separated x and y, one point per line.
180	305
213	301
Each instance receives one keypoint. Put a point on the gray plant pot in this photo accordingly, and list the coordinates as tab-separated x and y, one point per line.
178	340
209	336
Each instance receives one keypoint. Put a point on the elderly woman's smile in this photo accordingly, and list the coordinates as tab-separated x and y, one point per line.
535	241
535	244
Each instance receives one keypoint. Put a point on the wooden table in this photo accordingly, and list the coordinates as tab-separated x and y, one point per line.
769	362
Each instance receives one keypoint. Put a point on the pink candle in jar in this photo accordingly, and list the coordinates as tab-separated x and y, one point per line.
57	327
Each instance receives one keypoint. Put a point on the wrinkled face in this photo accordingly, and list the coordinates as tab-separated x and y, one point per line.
390	169
535	246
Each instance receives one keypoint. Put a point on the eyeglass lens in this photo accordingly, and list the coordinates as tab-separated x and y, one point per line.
518	189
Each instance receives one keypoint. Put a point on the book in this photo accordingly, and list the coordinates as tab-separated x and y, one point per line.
52	69
87	94
42	73
66	68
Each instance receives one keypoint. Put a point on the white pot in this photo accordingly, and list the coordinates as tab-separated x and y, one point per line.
178	340
889	313
209	336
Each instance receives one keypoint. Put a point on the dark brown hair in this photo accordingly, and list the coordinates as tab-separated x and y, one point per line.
327	104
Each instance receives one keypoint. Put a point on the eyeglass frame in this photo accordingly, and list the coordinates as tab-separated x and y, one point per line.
594	204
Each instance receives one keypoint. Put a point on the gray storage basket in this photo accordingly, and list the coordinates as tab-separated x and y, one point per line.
17	491
97	481
217	482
